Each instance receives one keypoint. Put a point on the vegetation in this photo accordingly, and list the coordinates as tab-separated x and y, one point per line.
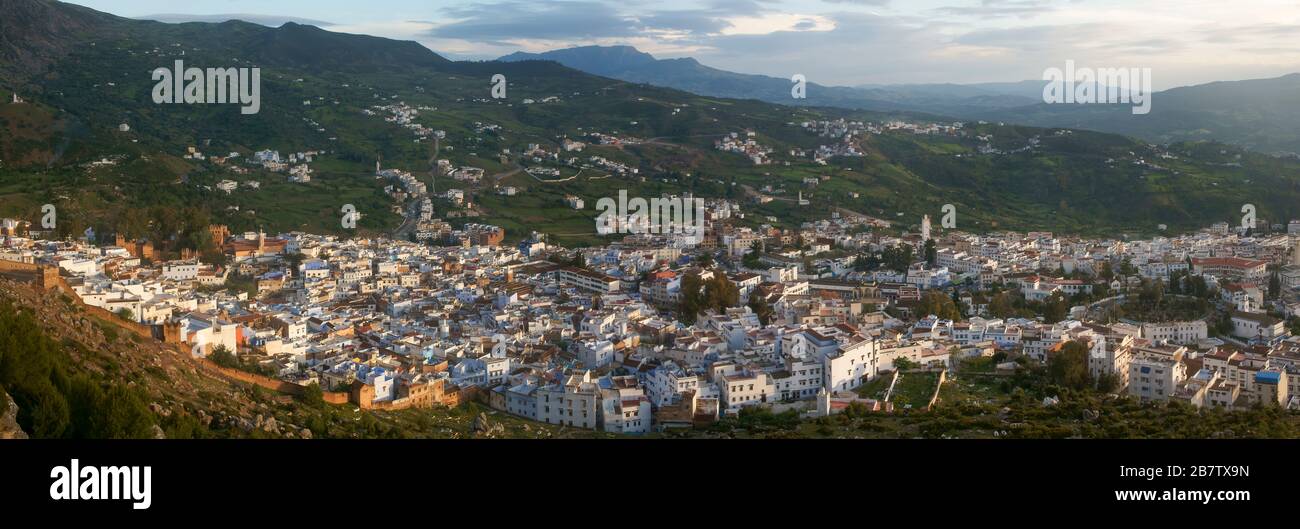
56	403
1069	366
937	303
717	293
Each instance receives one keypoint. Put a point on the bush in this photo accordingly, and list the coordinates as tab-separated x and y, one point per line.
53	403
223	357
313	396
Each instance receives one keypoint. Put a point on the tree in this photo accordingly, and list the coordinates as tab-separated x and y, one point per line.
1068	367
720	293
1001	306
313	396
936	303
931	252
755	251
1107	272
54	401
758	304
1274	286
866	262
1126	267
897	257
1055	308
692	299
223	357
1107	382
125	314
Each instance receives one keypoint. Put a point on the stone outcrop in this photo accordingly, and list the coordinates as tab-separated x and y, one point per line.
9	428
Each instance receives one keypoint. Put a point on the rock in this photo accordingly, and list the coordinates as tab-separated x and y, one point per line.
9	428
1091	415
481	423
305	433
158	432
159	410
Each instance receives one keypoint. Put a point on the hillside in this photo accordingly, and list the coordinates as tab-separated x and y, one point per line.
71	374
335	94
1258	114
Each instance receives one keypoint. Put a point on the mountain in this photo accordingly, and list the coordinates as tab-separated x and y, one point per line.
354	100
1260	114
265	20
629	64
1028	91
34	33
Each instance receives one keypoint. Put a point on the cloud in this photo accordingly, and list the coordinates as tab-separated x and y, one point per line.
851	42
990	9
859	2
503	22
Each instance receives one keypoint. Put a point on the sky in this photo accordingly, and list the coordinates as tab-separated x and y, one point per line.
831	42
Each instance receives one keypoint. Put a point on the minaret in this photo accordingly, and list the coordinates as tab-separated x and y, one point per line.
925	228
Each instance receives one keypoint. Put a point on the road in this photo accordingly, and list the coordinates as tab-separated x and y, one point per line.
412	212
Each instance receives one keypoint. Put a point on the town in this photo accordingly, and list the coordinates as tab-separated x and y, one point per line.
654	332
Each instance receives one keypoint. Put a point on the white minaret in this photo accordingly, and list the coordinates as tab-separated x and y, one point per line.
1295	251
925	228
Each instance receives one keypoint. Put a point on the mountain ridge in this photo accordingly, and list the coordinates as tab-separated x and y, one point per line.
1261	114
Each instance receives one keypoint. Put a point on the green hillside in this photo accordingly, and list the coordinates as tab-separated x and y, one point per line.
316	87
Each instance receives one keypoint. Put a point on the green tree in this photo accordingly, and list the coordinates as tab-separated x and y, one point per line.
223	357
1107	272
1068	367
758	304
1001	306
720	293
938	304
313	396
750	259
692	299
1055	308
897	257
